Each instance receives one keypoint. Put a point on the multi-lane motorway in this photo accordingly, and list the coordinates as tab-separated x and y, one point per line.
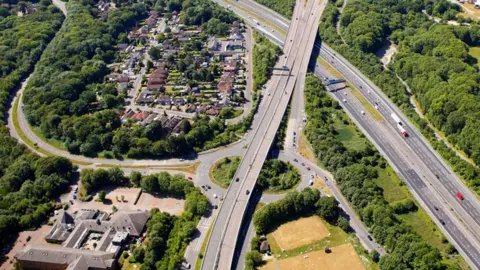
413	158
222	242
430	179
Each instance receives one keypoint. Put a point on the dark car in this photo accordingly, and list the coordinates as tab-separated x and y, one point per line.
442	222
369	238
237	179
303	164
248	191
436	208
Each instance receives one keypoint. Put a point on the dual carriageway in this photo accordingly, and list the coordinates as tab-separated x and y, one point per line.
429	179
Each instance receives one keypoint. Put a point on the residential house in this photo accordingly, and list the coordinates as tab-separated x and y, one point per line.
157	79
234	45
164	100
212	44
140	116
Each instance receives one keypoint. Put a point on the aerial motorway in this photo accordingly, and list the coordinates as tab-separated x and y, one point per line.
221	245
448	201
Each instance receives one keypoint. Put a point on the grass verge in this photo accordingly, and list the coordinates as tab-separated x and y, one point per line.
367	105
191	169
260	19
221	172
27	141
198	264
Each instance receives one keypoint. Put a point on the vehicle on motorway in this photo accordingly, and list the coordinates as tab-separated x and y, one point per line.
296	160
442	222
402	130
285	67
362	112
334	81
459	195
256	22
399	124
396	118
215	195
344	101
436	208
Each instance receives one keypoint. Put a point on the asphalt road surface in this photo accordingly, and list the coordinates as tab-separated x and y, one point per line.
222	242
424	164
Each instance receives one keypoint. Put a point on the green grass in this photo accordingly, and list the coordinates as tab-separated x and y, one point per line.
425	227
390	183
53	142
420	221
349	136
198	264
221	172
475	52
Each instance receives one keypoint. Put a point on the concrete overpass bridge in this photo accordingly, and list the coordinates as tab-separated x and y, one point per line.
297	52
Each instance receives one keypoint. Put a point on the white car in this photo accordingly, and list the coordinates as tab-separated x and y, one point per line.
344	100
362	112
376	107
215	196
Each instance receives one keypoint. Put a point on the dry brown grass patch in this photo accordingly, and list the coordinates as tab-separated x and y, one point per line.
300	232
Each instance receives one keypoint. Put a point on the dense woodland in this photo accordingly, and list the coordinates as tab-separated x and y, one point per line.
68	100
354	171
277	175
22	41
28	183
283	7
433	60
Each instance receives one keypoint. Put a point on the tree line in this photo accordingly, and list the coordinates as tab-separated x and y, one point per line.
28	186
167	235
28	183
265	54
354	172
22	40
68	99
433	59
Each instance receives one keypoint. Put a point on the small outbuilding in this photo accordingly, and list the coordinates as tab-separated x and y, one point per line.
264	246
